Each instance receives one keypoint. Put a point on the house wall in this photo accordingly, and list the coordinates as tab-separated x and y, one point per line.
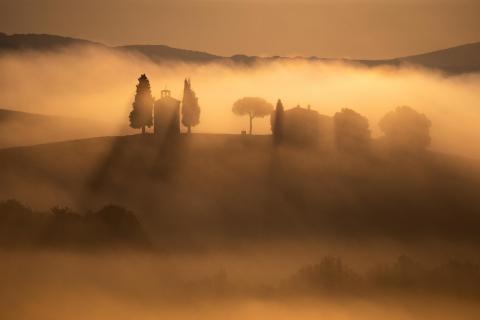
167	117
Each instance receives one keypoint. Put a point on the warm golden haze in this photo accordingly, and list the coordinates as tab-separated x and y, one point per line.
362	29
239	159
74	88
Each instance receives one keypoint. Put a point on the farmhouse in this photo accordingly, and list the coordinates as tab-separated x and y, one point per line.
304	127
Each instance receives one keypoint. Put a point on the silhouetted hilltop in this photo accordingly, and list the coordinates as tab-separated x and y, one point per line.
455	60
460	59
22	128
463	58
40	42
159	53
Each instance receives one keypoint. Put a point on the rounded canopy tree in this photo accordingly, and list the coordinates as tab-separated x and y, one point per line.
253	107
405	129
351	131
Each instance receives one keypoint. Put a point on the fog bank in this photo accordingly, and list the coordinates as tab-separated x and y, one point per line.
99	84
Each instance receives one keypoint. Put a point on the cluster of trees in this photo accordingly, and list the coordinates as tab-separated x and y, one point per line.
404	130
331	275
141	115
62	227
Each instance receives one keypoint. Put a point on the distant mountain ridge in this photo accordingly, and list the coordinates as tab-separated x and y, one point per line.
158	53
41	42
455	60
461	58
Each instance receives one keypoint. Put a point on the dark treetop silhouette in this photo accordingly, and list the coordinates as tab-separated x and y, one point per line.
276	121
351	131
111	226
141	115
253	107
303	126
190	107
406	130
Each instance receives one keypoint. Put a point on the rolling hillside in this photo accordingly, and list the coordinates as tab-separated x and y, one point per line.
40	42
461	59
236	187
159	53
456	60
21	128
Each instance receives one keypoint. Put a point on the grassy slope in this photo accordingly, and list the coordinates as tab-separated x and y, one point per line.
22	128
207	185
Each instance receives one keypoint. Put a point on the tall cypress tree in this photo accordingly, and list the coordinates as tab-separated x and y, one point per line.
190	107
277	123
141	115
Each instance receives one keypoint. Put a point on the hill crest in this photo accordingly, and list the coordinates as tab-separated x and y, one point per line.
455	60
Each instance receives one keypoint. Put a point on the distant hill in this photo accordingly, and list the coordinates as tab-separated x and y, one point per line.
456	60
21	128
461	59
40	42
464	58
159	53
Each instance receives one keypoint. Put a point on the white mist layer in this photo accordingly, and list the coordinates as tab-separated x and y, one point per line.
99	84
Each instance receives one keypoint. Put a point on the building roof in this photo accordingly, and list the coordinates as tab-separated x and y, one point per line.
302	111
167	99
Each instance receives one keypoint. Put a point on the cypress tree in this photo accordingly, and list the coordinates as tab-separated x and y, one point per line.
141	115
190	107
277	124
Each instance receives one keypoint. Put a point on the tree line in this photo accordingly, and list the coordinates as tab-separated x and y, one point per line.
108	227
141	115
405	275
403	128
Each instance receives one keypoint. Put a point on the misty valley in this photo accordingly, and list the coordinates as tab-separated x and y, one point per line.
234	221
167	183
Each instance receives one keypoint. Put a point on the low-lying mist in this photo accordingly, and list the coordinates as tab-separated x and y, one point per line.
54	285
99	84
225	226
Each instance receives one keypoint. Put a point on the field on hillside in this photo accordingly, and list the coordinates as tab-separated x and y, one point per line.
237	188
239	160
24	129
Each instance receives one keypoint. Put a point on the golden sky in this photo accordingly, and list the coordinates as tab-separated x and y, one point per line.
326	28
